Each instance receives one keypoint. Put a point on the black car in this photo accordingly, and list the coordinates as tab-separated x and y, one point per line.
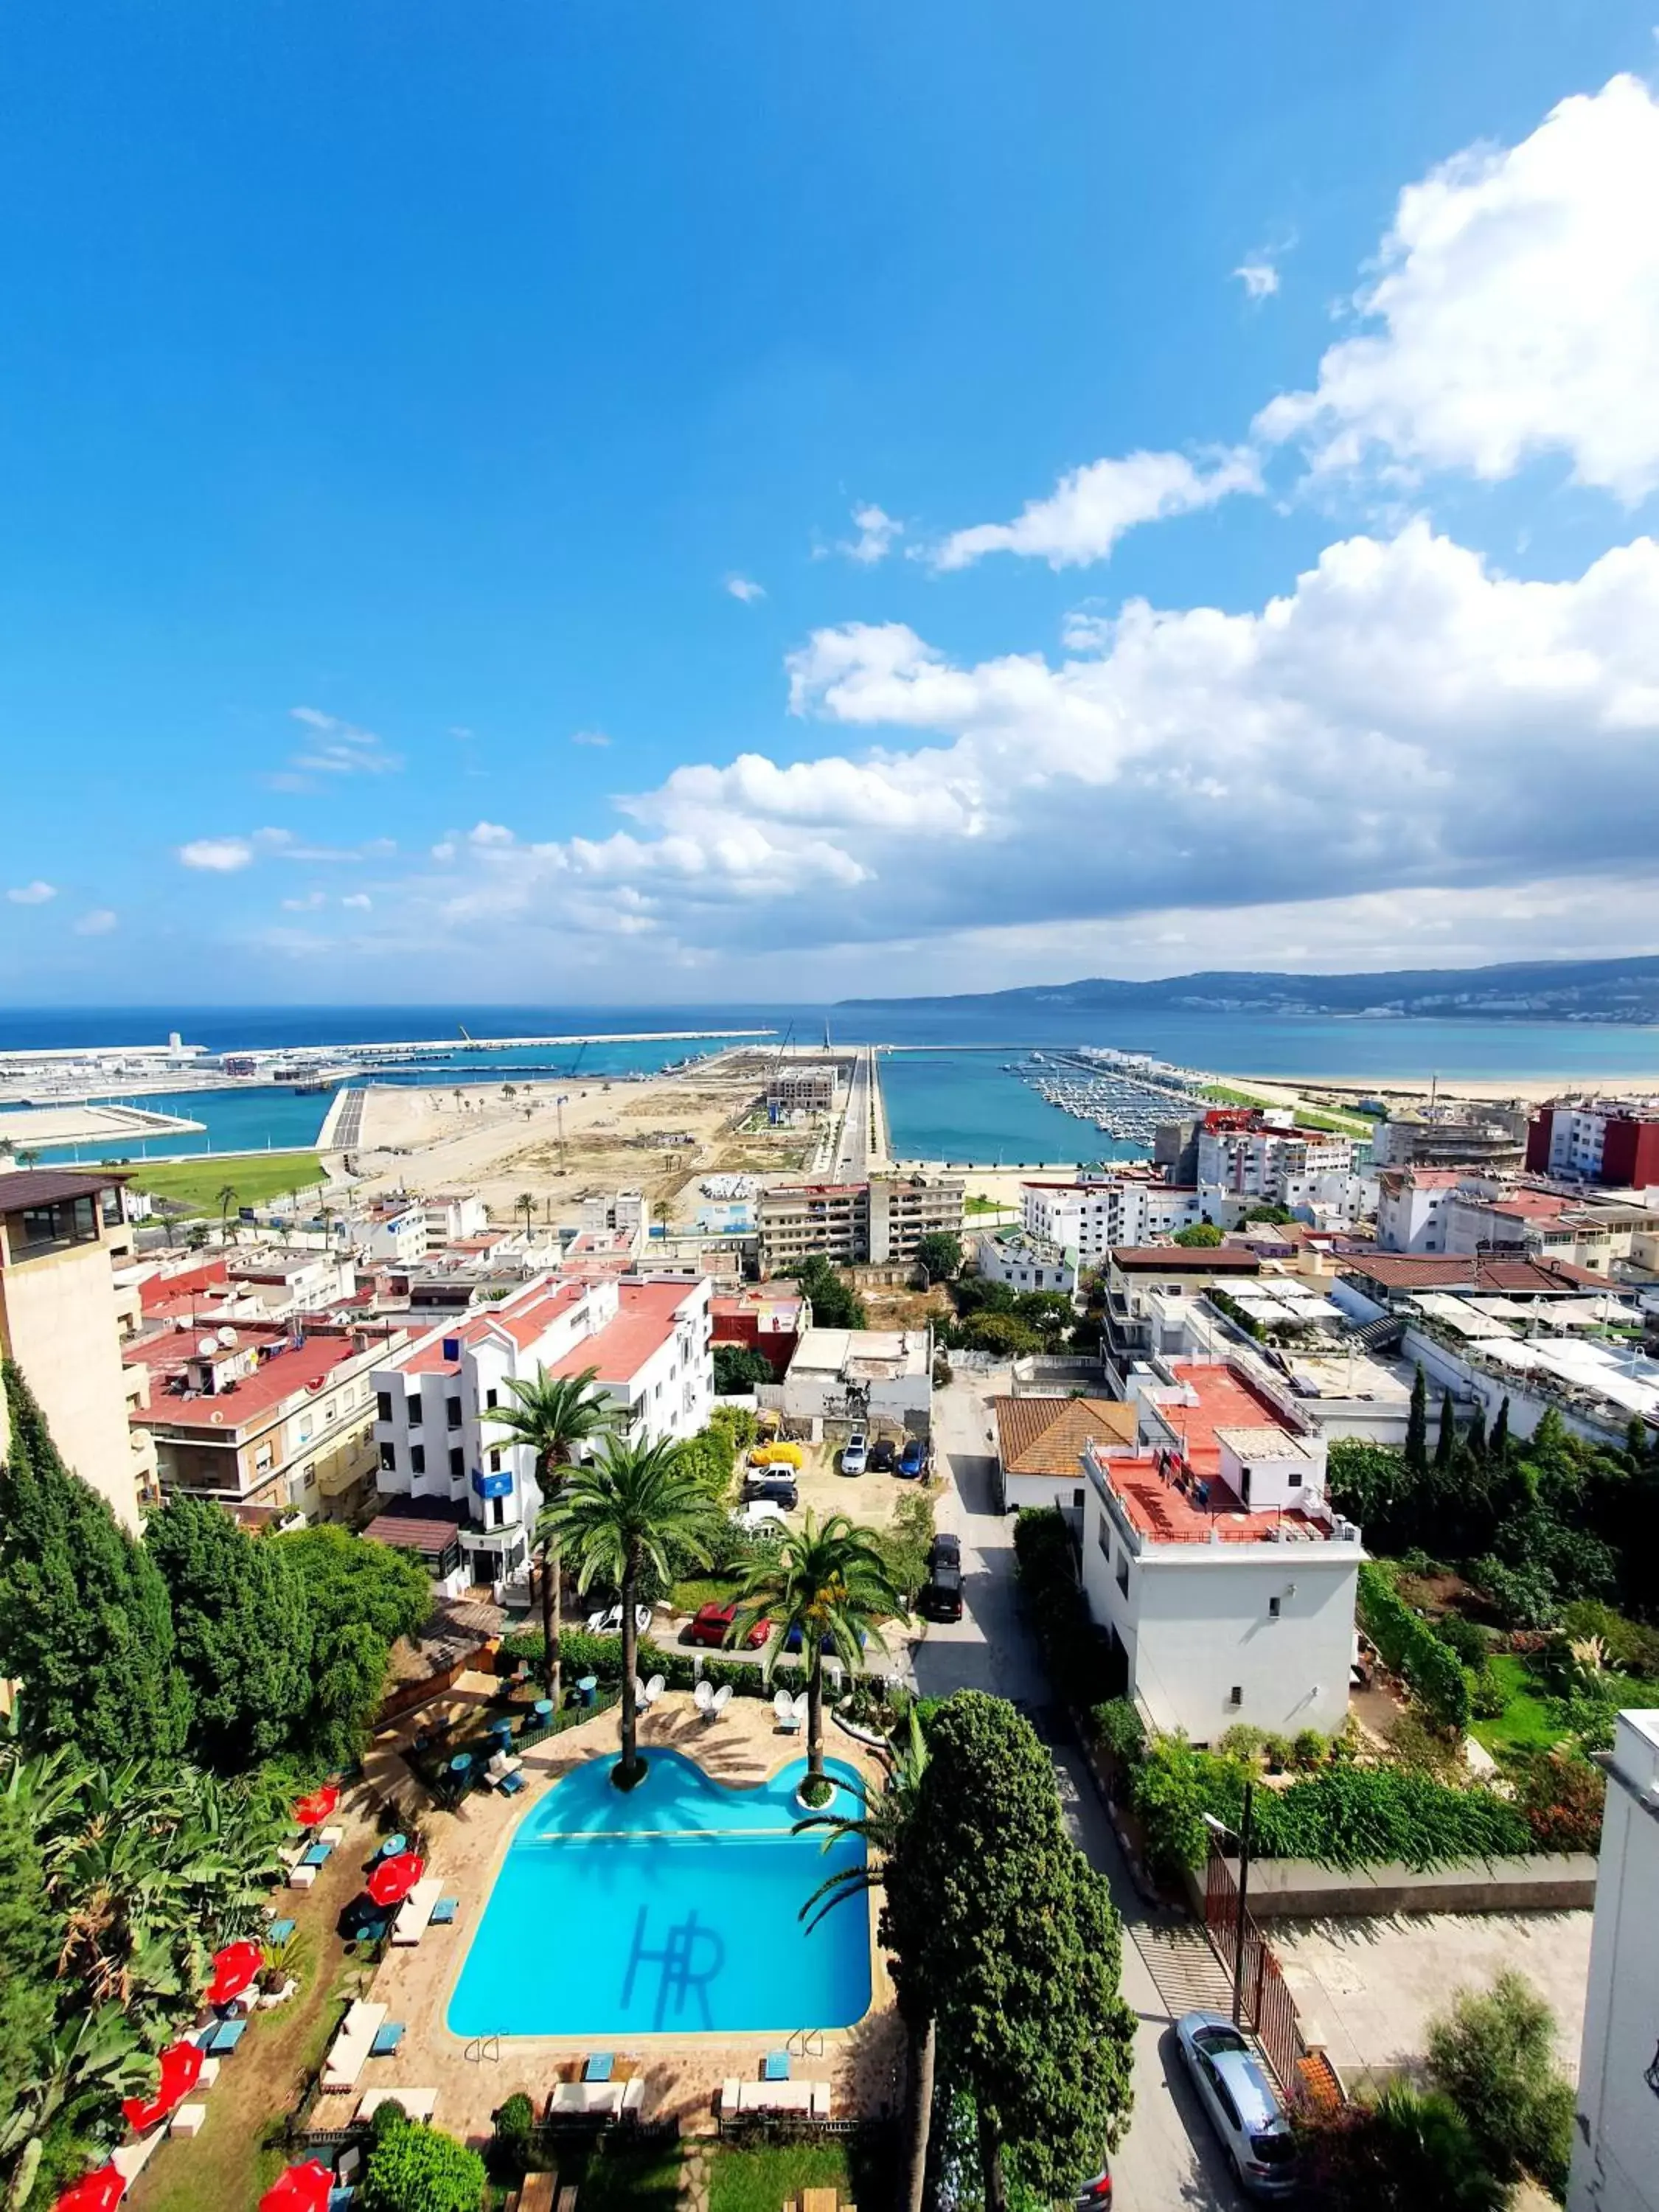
776	1484
941	1594
945	1551
883	1456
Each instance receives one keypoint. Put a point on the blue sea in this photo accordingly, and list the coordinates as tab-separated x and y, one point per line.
948	1097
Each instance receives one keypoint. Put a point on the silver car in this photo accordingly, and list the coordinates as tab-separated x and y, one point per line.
1240	2102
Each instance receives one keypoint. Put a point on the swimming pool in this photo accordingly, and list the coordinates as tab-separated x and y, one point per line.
673	1910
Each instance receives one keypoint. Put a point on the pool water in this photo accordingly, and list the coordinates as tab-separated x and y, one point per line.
673	1910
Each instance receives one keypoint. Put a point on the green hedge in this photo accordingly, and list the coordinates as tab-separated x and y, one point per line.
1433	1672
581	1654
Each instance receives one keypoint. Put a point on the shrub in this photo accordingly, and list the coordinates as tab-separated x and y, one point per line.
1241	1740
1560	1795
1412	2149
1521	1597
1488	1696
1464	1636
415	2168
1629	1643
515	2122
1494	2056
1121	1731
1433	1672
1309	1749
1276	1750
1167	1791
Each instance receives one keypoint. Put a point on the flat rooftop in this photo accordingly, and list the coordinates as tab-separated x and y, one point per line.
1164	1515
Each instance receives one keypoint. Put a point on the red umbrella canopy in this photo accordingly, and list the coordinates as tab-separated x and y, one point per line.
393	1879
101	2191
181	2070
234	1969
308	1811
299	2189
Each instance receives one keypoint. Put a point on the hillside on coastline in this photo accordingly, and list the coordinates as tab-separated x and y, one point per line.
1625	990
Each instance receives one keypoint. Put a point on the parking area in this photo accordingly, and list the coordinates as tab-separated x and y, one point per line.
870	1497
1368	1989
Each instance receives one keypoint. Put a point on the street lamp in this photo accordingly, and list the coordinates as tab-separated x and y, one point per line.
1220	1828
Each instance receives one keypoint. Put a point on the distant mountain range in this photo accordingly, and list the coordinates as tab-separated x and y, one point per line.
1520	990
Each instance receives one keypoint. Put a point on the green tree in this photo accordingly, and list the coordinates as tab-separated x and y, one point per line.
557	1416
525	1203
940	1253
227	1197
27	1953
1201	1236
1417	1424
1494	2056
827	1585
1474	1438
1366	1481
1005	1935
84	1624
362	1598
634	1507
1445	1443
1497	1445
1005	1336
241	1617
834	1303
1278	1215
415	2168
739	1368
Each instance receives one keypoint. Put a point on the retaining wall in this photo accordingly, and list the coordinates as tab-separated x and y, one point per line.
1298	1889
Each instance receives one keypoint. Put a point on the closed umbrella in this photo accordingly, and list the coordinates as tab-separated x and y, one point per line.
181	2070
299	2189
393	1879
309	1811
233	1970
101	2191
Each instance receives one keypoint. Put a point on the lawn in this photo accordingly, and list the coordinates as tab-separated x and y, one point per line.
694	1591
614	2177
762	2180
1530	1721
1344	1124
255	1178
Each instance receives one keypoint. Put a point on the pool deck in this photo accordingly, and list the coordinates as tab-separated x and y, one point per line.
864	2064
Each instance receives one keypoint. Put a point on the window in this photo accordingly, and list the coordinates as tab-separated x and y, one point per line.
1105	1541
1235	1695
457	1462
383	1405
309	1478
388	1458
489	1397
414	1411
417	1458
328	1413
1273	1604
453	1410
1123	1572
494	1462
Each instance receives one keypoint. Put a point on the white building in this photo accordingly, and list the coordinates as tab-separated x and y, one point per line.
650	1343
860	1378
621	1212
1261	1156
396	1231
1024	1261
1091	1216
1211	1552
1616	2150
1413	1207
451	1214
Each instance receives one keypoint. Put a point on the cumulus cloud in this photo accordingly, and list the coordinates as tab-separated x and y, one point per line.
877	530
1405	718
1516	297
1260	278
219	856
745	588
34	894
97	921
360	900
307	904
1089	510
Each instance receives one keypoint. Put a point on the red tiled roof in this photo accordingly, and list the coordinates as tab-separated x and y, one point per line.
283	1375
1433	1271
1185	1258
158	1291
645	1322
1046	1435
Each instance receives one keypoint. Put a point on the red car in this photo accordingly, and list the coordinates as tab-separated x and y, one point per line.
713	1626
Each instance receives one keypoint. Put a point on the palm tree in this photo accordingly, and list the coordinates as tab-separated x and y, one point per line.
880	1825
227	1200
525	1204
830	1583
635	1507
555	1415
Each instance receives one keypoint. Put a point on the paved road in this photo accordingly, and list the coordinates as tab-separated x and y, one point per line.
1169	2156
853	1147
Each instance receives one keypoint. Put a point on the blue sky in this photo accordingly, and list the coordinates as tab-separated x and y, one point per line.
400	399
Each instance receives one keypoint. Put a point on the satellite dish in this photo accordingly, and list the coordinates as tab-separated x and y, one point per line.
207	1346
228	1338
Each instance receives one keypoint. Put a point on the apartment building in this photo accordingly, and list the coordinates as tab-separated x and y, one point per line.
1450	1210
471	1491
881	1221
64	1234
1615	2147
1413	1205
264	1417
1212	1555
1260	1154
451	1214
1092	1215
1489	1138
1024	1262
811	1087
1611	1141
621	1212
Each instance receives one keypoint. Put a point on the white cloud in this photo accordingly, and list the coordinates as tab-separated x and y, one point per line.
338	748
219	856
1260	278
1517	294
589	737
34	894
307	904
357	899
1089	509
97	921
745	588
876	532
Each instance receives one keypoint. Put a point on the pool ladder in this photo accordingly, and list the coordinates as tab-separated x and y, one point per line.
483	2049
806	2042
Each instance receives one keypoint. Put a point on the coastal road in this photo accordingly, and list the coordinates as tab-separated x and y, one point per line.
852	1162
1169	2157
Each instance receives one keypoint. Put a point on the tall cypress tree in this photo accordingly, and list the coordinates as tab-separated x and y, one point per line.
1497	1447
242	1618
1474	1440
1417	1426
84	1620
1445	1443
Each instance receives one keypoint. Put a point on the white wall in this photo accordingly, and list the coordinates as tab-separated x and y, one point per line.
1615	2148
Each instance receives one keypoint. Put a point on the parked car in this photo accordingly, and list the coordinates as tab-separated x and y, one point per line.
883	1456
911	1459
945	1551
761	1517
713	1624
792	1641
1239	2102
941	1594
1095	2195
777	1484
855	1453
